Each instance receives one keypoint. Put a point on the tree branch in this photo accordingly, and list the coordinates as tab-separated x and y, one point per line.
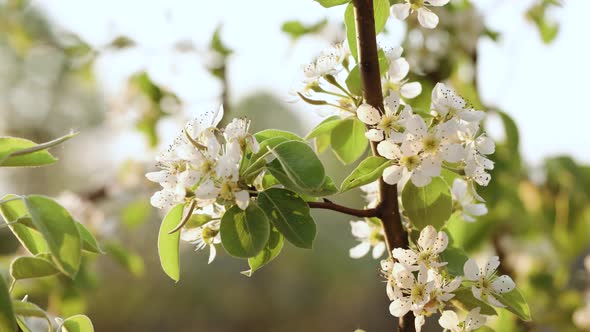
388	208
327	205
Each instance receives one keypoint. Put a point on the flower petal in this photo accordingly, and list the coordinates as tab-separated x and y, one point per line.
411	90
427	19
503	284
471	270
492	266
360	250
401	10
392	174
368	114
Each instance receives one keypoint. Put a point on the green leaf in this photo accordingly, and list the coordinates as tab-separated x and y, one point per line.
366	172
322	143
30	238
324	127
276	170
271	250
268	133
217	45
300	164
244	232
455	258
89	242
78	323
331	3
381	9
59	231
169	244
130	261
465	300
428	205
16	151
31	267
7	320
348	140
515	303
258	160
28	309
296	29
289	213
136	213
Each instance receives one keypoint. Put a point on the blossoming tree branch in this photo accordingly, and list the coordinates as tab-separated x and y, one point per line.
249	192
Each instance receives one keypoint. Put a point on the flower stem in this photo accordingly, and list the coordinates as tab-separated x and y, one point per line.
388	207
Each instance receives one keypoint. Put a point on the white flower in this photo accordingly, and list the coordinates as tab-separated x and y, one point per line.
430	245
487	285
451	322
398	70
581	318
203	236
387	125
410	164
469	207
409	292
371	191
329	62
371	236
427	18
447	103
237	130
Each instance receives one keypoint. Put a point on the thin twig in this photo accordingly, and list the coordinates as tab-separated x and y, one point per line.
327	205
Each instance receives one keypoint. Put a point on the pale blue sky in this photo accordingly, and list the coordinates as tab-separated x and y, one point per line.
542	87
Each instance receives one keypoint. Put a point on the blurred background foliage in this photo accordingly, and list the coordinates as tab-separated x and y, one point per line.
539	220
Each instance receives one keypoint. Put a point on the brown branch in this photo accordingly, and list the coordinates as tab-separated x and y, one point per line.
327	205
388	208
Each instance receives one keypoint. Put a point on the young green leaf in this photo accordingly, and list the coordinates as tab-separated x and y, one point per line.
515	303
300	164
366	172
465	300
289	213
324	127
331	3
21	152
169	244
89	242
244	232
28	309
276	170
59	231
348	140
78	323
428	205
268	133
31	267
7	320
259	159
455	258
381	10
15	210
271	250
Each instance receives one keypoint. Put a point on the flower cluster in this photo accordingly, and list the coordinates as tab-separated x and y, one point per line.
325	78
426	17
203	163
420	149
418	281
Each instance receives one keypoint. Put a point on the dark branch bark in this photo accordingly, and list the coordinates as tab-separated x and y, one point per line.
368	213
388	208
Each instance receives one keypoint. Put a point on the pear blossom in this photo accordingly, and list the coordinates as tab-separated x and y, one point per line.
447	103
581	318
203	236
427	18
371	236
396	75
387	125
449	321
470	208
329	62
487	285
430	245
410	164
237	130
409	292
